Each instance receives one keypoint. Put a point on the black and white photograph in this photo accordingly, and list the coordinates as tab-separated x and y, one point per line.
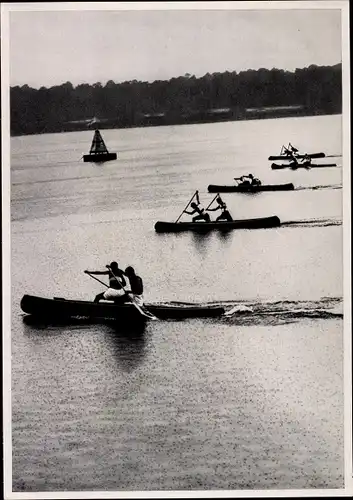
176	249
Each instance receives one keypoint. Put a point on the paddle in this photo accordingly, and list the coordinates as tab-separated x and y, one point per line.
133	300
91	275
289	150
212	201
198	201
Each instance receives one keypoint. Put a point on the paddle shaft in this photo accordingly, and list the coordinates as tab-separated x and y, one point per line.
212	201
117	279
193	196
102	282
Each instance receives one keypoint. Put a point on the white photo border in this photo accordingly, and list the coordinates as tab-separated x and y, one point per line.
6	9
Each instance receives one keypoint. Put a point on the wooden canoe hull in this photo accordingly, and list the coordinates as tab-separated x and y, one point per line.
59	308
287	157
202	227
99	157
215	188
276	166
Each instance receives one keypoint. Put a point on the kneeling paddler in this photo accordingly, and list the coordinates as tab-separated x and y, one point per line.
115	291
225	215
136	285
202	215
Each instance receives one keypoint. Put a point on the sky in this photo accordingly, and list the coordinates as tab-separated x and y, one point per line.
52	47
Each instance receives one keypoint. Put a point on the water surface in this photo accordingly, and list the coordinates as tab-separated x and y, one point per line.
250	401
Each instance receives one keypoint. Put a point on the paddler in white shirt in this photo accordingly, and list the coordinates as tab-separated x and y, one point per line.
249	180
117	282
136	285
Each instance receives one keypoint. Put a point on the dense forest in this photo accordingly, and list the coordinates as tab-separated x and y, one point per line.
219	96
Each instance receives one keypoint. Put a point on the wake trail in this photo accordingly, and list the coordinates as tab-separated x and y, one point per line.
312	223
249	312
315	188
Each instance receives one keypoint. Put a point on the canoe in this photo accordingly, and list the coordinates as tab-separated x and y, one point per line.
287	157
201	227
275	166
60	309
215	188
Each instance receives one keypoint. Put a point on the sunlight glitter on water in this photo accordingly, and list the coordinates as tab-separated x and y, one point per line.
239	402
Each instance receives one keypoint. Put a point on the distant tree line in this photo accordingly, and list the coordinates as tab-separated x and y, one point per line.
186	99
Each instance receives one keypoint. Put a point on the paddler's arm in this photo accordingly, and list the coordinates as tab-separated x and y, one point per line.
190	213
213	209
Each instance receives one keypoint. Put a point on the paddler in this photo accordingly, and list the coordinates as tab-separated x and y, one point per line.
245	180
225	215
294	164
291	152
136	285
249	180
254	181
292	155
306	160
202	215
117	282
292	148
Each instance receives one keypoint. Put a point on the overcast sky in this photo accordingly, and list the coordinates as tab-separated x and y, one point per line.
50	48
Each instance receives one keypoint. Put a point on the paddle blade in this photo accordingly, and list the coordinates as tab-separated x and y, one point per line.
137	302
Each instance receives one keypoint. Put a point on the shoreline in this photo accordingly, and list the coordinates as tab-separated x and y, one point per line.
260	115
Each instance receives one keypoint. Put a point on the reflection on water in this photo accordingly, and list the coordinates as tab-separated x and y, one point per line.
224	236
76	323
126	342
128	346
201	241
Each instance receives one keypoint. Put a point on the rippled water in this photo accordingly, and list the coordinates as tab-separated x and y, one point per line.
253	400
